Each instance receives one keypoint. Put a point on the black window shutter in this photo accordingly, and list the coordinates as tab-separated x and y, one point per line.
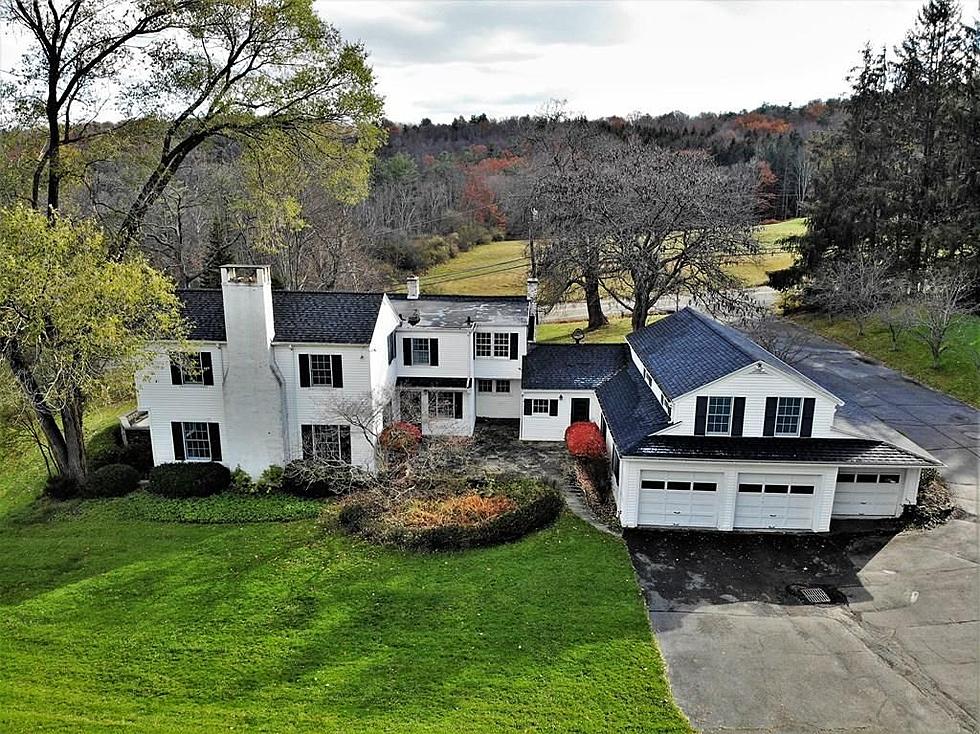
337	370
207	371
458	405
304	370
433	352
407	351
738	416
306	433
806	420
215	435
345	444
552	407
769	426
392	341
527	407
700	415
530	328
175	378
603	426
177	429
513	345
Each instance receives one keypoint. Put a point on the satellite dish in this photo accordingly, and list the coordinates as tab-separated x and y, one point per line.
578	335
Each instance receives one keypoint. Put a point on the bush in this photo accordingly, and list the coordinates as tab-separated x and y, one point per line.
241	481
270	480
137	455
536	505
112	480
584	440
189	479
61	488
314	479
400	436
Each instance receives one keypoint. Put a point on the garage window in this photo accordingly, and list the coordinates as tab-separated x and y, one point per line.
705	487
750	488
867	478
652	484
681	486
719	417
888	478
776	488
801	489
845	478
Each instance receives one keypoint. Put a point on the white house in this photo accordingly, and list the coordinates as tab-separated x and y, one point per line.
704	427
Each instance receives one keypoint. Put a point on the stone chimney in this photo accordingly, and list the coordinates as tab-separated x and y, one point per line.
413	287
532	290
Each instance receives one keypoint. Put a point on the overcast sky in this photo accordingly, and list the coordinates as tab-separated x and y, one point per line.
440	60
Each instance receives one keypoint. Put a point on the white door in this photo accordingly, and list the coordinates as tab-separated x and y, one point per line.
776	501
869	493
682	499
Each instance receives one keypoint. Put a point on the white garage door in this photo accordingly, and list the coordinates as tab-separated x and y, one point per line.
869	493
776	501
684	499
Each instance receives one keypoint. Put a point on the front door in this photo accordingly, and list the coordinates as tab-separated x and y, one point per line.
580	409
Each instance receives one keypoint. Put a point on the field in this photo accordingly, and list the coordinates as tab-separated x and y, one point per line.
560	332
109	622
959	374
500	268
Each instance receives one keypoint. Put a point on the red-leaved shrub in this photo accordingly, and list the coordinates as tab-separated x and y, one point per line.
584	440
401	436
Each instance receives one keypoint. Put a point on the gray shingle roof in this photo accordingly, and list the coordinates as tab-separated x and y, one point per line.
630	409
299	316
687	349
572	366
845	451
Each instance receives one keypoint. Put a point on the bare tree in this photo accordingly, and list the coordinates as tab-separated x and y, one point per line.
777	336
859	288
940	303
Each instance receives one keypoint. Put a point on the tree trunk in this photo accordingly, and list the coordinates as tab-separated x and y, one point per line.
641	306
74	431
593	302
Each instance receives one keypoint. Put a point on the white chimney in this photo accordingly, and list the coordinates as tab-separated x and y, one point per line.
413	287
532	290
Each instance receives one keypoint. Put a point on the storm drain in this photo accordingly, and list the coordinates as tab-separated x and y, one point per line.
817	594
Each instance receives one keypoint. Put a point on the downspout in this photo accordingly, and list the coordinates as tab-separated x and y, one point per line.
277	373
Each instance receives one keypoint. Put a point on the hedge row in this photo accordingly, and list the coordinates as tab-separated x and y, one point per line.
538	505
190	479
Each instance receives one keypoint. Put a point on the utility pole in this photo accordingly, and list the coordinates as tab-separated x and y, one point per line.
532	218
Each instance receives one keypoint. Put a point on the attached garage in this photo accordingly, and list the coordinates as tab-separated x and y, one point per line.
776	501
689	499
869	493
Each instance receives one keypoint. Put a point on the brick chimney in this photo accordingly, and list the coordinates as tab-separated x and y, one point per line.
413	287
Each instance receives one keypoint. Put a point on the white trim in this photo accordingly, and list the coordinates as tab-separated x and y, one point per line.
796	377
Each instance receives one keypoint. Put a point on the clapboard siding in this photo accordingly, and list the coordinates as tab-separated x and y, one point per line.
500	405
552	428
504	368
755	386
455	355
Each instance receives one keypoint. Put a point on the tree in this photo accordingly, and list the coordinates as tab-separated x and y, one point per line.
221	68
859	288
70	317
940	303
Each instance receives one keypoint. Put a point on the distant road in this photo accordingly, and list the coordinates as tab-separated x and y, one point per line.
576	310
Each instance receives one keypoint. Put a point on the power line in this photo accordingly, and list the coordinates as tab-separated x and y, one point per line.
436	278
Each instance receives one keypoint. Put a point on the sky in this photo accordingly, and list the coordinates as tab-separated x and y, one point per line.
444	59
618	57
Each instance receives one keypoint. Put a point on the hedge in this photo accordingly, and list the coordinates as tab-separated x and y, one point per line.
190	479
61	488
137	455
112	480
538	505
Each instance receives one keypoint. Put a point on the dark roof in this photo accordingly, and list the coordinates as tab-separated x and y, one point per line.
571	366
300	316
687	349
847	451
447	382
630	408
471	298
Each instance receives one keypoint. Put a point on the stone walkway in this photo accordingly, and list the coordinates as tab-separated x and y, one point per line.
499	448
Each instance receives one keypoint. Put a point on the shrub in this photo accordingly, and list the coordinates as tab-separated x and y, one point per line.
400	436
584	440
241	481
535	505
61	488
317	479
270	480
189	479
111	480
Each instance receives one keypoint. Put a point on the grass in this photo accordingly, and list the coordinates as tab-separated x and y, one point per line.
561	331
958	374
109	622
481	270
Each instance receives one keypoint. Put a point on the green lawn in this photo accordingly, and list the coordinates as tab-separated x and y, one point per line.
958	376
110	623
500	268
560	332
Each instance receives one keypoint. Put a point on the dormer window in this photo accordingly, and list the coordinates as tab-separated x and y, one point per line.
719	422
788	411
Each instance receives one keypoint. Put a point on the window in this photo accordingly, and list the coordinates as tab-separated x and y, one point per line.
326	442
867	478
392	346
197	442
845	478
888	478
501	345
539	406
788	416
420	351
719	416
652	484
484	385
679	486
503	385
801	489
321	372
191	368
484	344
442	404
777	488
755	488
648	378
705	487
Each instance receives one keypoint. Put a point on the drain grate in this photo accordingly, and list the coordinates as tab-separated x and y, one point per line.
816	594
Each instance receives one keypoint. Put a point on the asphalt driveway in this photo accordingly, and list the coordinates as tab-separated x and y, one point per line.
900	653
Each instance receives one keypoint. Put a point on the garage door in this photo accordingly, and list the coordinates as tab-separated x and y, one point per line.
776	501
684	499
869	494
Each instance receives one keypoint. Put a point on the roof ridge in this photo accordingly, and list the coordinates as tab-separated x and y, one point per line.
719	328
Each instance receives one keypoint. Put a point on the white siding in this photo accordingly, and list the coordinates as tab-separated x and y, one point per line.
755	386
552	428
455	353
501	367
500	405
